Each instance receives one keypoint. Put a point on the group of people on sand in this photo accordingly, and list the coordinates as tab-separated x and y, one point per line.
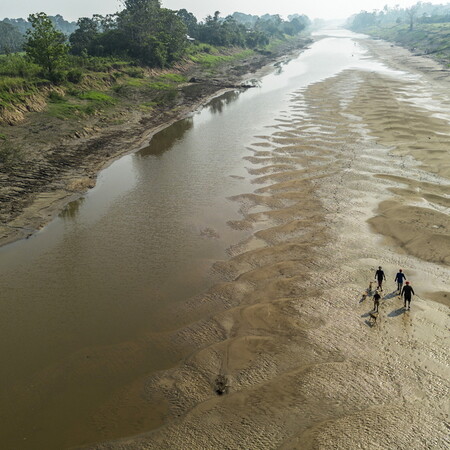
406	291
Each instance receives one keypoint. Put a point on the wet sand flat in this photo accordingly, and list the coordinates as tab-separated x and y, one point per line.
355	174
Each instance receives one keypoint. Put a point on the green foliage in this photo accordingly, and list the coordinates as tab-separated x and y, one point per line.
14	91
75	76
18	66
159	85
45	45
421	12
174	77
426	38
82	104
201	48
84	37
11	39
136	82
213	58
135	72
116	50
97	97
98	64
65	110
58	77
155	36
242	30
190	21
55	96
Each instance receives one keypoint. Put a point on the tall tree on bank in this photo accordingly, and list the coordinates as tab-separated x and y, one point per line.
45	45
411	13
154	35
190	21
11	39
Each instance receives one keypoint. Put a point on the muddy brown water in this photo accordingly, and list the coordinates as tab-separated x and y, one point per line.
86	301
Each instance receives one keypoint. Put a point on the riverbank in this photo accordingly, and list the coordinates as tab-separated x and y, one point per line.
431	40
59	157
287	355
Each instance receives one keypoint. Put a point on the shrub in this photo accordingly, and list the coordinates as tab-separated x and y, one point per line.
58	77
55	96
75	76
18	66
73	92
135	72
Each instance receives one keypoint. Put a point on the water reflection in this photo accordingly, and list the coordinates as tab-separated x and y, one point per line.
217	105
279	66
72	209
165	139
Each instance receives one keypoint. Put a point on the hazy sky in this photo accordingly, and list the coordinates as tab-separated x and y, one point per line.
73	9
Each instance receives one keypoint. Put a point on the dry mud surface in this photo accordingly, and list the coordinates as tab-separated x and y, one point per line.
354	175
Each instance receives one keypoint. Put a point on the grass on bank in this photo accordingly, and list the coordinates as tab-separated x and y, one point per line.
429	39
84	104
211	57
88	85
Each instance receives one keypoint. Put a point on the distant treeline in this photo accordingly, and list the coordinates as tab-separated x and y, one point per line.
420	13
13	32
152	35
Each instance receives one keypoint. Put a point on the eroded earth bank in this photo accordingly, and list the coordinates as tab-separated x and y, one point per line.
355	174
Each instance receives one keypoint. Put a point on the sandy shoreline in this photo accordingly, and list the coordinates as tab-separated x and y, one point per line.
287	339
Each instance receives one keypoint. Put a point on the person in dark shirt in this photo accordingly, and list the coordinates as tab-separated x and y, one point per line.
407	293
380	276
376	301
400	278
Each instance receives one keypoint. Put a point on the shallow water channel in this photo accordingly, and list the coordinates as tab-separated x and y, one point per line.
115	264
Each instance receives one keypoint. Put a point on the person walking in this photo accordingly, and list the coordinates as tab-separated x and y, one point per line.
380	276
400	278
407	293
376	301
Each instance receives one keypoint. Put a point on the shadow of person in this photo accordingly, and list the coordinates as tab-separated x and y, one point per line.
391	295
396	312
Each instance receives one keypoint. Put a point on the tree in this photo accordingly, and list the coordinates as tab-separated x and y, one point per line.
363	20
154	35
190	21
82	39
270	25
11	39
45	45
411	13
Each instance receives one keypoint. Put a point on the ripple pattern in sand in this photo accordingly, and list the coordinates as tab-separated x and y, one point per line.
285	356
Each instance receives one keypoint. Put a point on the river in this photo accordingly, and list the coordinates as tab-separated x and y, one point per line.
87	300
